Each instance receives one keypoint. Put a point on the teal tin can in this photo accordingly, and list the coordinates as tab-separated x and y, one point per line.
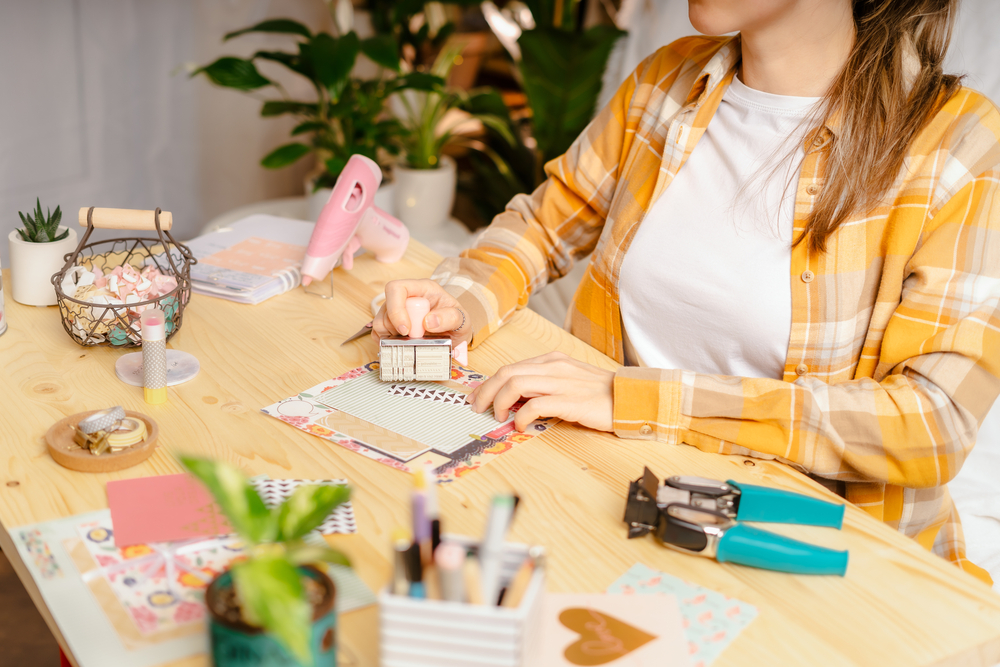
236	644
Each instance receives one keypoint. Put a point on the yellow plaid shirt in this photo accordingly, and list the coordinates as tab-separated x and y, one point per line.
894	354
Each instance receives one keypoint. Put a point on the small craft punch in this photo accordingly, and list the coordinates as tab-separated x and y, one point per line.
702	517
419	357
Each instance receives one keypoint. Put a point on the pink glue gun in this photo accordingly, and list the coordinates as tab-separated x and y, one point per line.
350	220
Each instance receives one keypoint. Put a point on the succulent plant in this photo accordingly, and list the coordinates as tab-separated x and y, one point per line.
41	228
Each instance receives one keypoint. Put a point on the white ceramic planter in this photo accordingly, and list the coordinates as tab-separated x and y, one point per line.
32	266
424	197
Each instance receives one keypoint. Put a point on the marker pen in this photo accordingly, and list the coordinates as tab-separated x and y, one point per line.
154	356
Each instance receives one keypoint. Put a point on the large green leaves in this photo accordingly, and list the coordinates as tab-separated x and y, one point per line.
279	107
333	59
286	26
247	513
307	507
233	73
562	77
271	596
283	156
382	50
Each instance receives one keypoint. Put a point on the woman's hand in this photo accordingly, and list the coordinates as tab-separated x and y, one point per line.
445	317
555	385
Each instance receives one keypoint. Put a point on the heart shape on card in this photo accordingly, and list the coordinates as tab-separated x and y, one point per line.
602	639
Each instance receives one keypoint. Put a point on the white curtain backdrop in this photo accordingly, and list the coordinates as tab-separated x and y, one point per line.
95	111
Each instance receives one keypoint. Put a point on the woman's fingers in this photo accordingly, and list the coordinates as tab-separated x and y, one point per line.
536	408
445	320
524	386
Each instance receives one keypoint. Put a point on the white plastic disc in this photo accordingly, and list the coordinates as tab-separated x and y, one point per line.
181	367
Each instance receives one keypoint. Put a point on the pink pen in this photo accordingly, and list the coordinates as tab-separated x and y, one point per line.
350	220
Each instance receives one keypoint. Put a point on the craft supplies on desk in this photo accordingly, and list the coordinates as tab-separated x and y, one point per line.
138	606
350	220
107	443
105	286
711	620
405	425
700	516
154	357
168	508
250	260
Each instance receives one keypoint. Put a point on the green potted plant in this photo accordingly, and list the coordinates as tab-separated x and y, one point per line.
345	116
275	608
434	117
37	252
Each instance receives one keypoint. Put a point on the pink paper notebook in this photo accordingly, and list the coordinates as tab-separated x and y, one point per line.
163	509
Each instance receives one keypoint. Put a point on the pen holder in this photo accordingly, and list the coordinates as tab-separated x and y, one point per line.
435	633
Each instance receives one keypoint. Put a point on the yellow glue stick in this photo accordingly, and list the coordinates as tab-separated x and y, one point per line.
154	356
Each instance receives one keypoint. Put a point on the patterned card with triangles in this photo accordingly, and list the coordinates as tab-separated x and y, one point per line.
276	491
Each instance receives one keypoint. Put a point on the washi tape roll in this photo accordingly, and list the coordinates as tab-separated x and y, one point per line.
102	420
130	432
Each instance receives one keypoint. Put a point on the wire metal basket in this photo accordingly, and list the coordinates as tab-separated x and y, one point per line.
117	324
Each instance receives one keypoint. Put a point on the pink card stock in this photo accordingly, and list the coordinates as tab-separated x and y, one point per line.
168	508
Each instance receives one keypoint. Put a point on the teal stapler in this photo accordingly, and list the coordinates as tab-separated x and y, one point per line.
704	517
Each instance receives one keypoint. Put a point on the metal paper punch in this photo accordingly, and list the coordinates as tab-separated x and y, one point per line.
704	517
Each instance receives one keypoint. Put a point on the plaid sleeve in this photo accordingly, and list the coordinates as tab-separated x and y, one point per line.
938	372
540	236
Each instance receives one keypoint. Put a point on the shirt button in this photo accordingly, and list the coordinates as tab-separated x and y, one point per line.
812	190
801	369
808	276
645	430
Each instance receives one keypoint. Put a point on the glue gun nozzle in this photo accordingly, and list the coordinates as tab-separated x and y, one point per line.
306	280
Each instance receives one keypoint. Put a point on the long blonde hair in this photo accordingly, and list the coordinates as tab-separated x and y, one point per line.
890	87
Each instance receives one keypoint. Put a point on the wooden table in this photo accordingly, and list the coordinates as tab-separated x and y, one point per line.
898	604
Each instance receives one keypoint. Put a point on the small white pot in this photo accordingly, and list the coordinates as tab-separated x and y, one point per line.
32	266
424	197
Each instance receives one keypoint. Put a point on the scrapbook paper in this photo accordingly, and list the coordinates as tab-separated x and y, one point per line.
276	491
711	620
139	606
167	508
617	630
405	424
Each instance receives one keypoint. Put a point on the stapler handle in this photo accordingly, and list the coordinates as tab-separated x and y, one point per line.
746	545
761	503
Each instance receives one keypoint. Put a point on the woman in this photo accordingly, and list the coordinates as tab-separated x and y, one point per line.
795	244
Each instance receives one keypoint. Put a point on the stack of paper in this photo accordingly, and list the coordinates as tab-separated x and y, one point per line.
251	260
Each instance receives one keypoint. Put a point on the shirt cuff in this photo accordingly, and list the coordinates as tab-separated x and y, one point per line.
647	404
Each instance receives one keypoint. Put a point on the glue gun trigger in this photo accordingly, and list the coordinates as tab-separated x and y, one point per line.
348	258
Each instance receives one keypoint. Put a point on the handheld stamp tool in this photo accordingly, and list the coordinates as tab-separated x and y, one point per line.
419	357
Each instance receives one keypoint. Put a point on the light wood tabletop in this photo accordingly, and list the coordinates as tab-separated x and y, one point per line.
898	604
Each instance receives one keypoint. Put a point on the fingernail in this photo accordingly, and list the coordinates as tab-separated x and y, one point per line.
433	321
369	325
403	330
468	398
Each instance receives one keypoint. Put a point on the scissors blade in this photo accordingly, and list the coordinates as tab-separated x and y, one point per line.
363	331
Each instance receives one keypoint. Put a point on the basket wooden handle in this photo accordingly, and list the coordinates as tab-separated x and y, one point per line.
125	218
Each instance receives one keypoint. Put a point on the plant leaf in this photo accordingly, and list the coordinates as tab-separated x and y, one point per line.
335	165
562	74
309	126
279	107
292	61
307	554
308	507
382	50
286	26
418	81
233	72
333	59
271	593
284	155
62	236
239	501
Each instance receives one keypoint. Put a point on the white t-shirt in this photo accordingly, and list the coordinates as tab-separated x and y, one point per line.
705	284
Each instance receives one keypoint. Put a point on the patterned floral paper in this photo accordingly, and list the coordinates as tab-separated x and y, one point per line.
711	620
305	413
161	586
41	554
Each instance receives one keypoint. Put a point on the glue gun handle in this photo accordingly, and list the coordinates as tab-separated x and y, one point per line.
750	546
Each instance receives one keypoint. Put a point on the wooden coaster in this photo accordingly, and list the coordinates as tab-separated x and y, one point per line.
68	454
